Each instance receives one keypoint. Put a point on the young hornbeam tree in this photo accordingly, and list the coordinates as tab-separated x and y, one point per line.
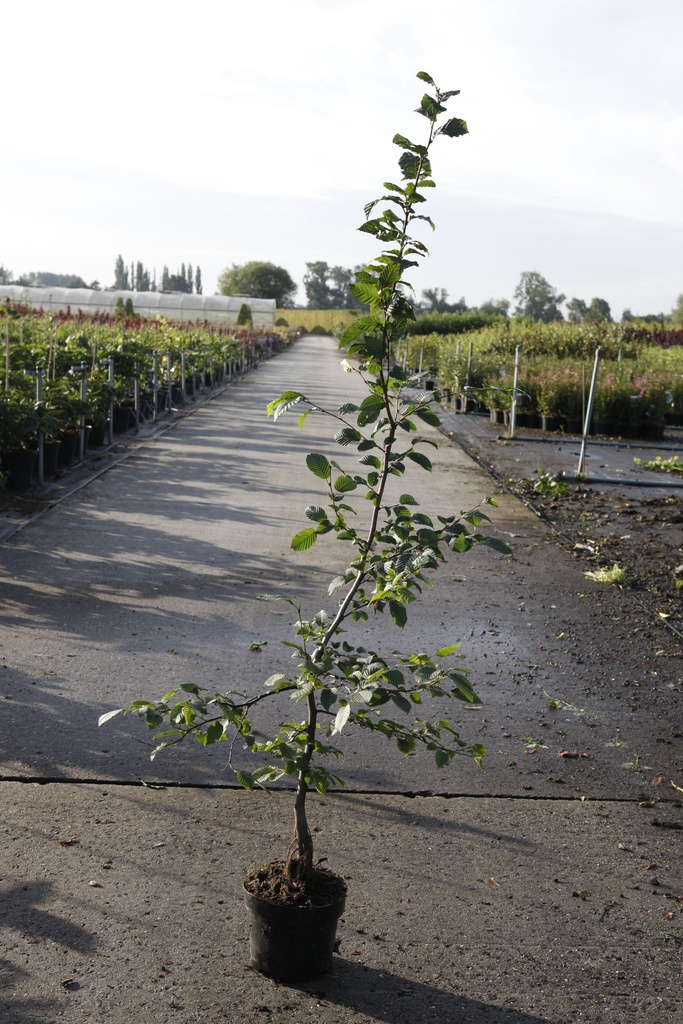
341	684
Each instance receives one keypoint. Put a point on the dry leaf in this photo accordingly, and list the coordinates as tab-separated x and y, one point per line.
572	753
647	867
70	842
492	881
668	915
626	849
657	781
647	803
581	893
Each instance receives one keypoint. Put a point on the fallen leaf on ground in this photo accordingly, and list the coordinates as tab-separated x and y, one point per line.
647	803
572	753
70	842
657	781
647	867
626	849
668	915
492	881
581	893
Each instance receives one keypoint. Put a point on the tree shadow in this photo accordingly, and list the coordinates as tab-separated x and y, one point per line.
390	998
19	910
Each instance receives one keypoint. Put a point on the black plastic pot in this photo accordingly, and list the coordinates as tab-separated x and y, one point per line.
291	943
19	465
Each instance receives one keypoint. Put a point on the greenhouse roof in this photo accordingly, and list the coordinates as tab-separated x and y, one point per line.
171	305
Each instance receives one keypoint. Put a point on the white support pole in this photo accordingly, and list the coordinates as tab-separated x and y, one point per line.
513	408
589	412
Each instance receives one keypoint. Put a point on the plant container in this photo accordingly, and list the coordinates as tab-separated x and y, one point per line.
292	943
19	465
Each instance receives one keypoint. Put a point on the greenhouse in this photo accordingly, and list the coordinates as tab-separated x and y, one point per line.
170	305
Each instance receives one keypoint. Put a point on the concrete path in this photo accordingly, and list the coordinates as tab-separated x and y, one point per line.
122	902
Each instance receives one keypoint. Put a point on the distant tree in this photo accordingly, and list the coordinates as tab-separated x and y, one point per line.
178	283
189	278
121	282
46	279
577	311
142	278
495	307
5	275
198	281
259	280
599	311
435	300
165	280
677	311
244	315
536	299
627	317
95	286
316	285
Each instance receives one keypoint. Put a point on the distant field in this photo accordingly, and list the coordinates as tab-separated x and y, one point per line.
331	320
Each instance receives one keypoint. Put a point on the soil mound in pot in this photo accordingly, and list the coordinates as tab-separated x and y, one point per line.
270	882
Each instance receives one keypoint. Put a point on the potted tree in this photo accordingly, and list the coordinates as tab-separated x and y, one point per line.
394	547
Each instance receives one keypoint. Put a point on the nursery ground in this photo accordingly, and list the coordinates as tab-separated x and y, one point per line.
546	888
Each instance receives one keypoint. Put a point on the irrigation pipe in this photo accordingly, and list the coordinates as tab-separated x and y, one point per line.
576	478
649	446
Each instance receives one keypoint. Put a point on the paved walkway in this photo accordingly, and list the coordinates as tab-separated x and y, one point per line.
122	902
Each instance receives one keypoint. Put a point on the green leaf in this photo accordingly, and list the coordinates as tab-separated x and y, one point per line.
214	732
424	77
428	416
420	459
398	613
454	128
498	545
316	513
347	436
304	539
402	702
444	652
341	719
245	779
344	483
286	400
319	465
408	499
442	757
109	714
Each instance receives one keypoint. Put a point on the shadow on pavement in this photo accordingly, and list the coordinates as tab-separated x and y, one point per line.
392	999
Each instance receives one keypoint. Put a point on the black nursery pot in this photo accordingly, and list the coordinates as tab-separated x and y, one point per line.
291	943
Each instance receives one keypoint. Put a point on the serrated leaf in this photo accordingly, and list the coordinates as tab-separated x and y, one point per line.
246	780
442	757
347	436
398	613
109	714
273	680
341	719
454	127
498	545
428	416
420	459
304	539
423	76
344	483
316	513
319	465
402	702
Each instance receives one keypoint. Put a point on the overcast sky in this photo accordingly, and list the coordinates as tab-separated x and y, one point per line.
216	133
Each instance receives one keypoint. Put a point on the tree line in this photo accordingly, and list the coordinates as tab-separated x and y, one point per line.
327	287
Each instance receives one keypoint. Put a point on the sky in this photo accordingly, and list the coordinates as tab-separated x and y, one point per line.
216	133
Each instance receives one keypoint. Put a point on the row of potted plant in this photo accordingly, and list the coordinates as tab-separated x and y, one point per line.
56	385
